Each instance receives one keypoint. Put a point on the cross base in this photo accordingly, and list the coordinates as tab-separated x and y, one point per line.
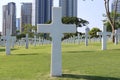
58	75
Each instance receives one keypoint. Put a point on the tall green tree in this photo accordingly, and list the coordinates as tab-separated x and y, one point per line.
111	18
29	29
79	22
93	32
74	20
109	28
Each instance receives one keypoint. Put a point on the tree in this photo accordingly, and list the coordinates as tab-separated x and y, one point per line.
29	29
109	29
93	32
34	29
20	36
73	20
17	32
111	18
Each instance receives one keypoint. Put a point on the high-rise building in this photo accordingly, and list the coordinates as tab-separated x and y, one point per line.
18	24
113	6
41	11
69	8
4	25
9	18
26	15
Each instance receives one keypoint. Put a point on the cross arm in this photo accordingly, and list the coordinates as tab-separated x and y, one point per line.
69	28
43	28
108	33
99	33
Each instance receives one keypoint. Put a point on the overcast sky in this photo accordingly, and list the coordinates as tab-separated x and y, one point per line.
88	10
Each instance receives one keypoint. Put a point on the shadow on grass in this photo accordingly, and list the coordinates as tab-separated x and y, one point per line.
87	77
2	50
114	49
79	51
26	54
14	49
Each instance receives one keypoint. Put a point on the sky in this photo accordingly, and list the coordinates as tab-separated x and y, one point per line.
91	11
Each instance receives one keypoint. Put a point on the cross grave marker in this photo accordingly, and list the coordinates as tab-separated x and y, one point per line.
27	42
116	37
78	38
13	40
8	42
86	36
56	29
35	40
104	37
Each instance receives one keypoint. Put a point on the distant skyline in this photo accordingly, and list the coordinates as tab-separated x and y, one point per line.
41	11
88	10
9	15
26	15
69	7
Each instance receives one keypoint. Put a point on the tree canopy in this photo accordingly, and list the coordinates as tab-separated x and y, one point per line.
93	32
107	24
74	20
28	29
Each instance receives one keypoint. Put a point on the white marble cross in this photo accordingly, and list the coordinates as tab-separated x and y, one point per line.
78	38
104	37
118	30
116	36
35	40
8	42
13	41
86	36
3	40
56	29
27	42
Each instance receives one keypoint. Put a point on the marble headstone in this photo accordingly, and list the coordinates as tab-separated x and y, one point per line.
27	42
104	37
13	41
56	30
86	36
8	45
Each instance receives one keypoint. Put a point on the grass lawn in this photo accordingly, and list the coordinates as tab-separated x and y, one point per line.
78	62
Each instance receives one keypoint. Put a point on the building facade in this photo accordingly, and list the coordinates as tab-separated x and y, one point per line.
69	8
9	18
41	11
113	6
18	24
4	25
26	15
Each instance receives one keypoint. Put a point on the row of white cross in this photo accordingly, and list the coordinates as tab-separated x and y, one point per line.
56	30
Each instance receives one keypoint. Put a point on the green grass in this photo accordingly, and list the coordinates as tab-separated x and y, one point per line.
78	63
